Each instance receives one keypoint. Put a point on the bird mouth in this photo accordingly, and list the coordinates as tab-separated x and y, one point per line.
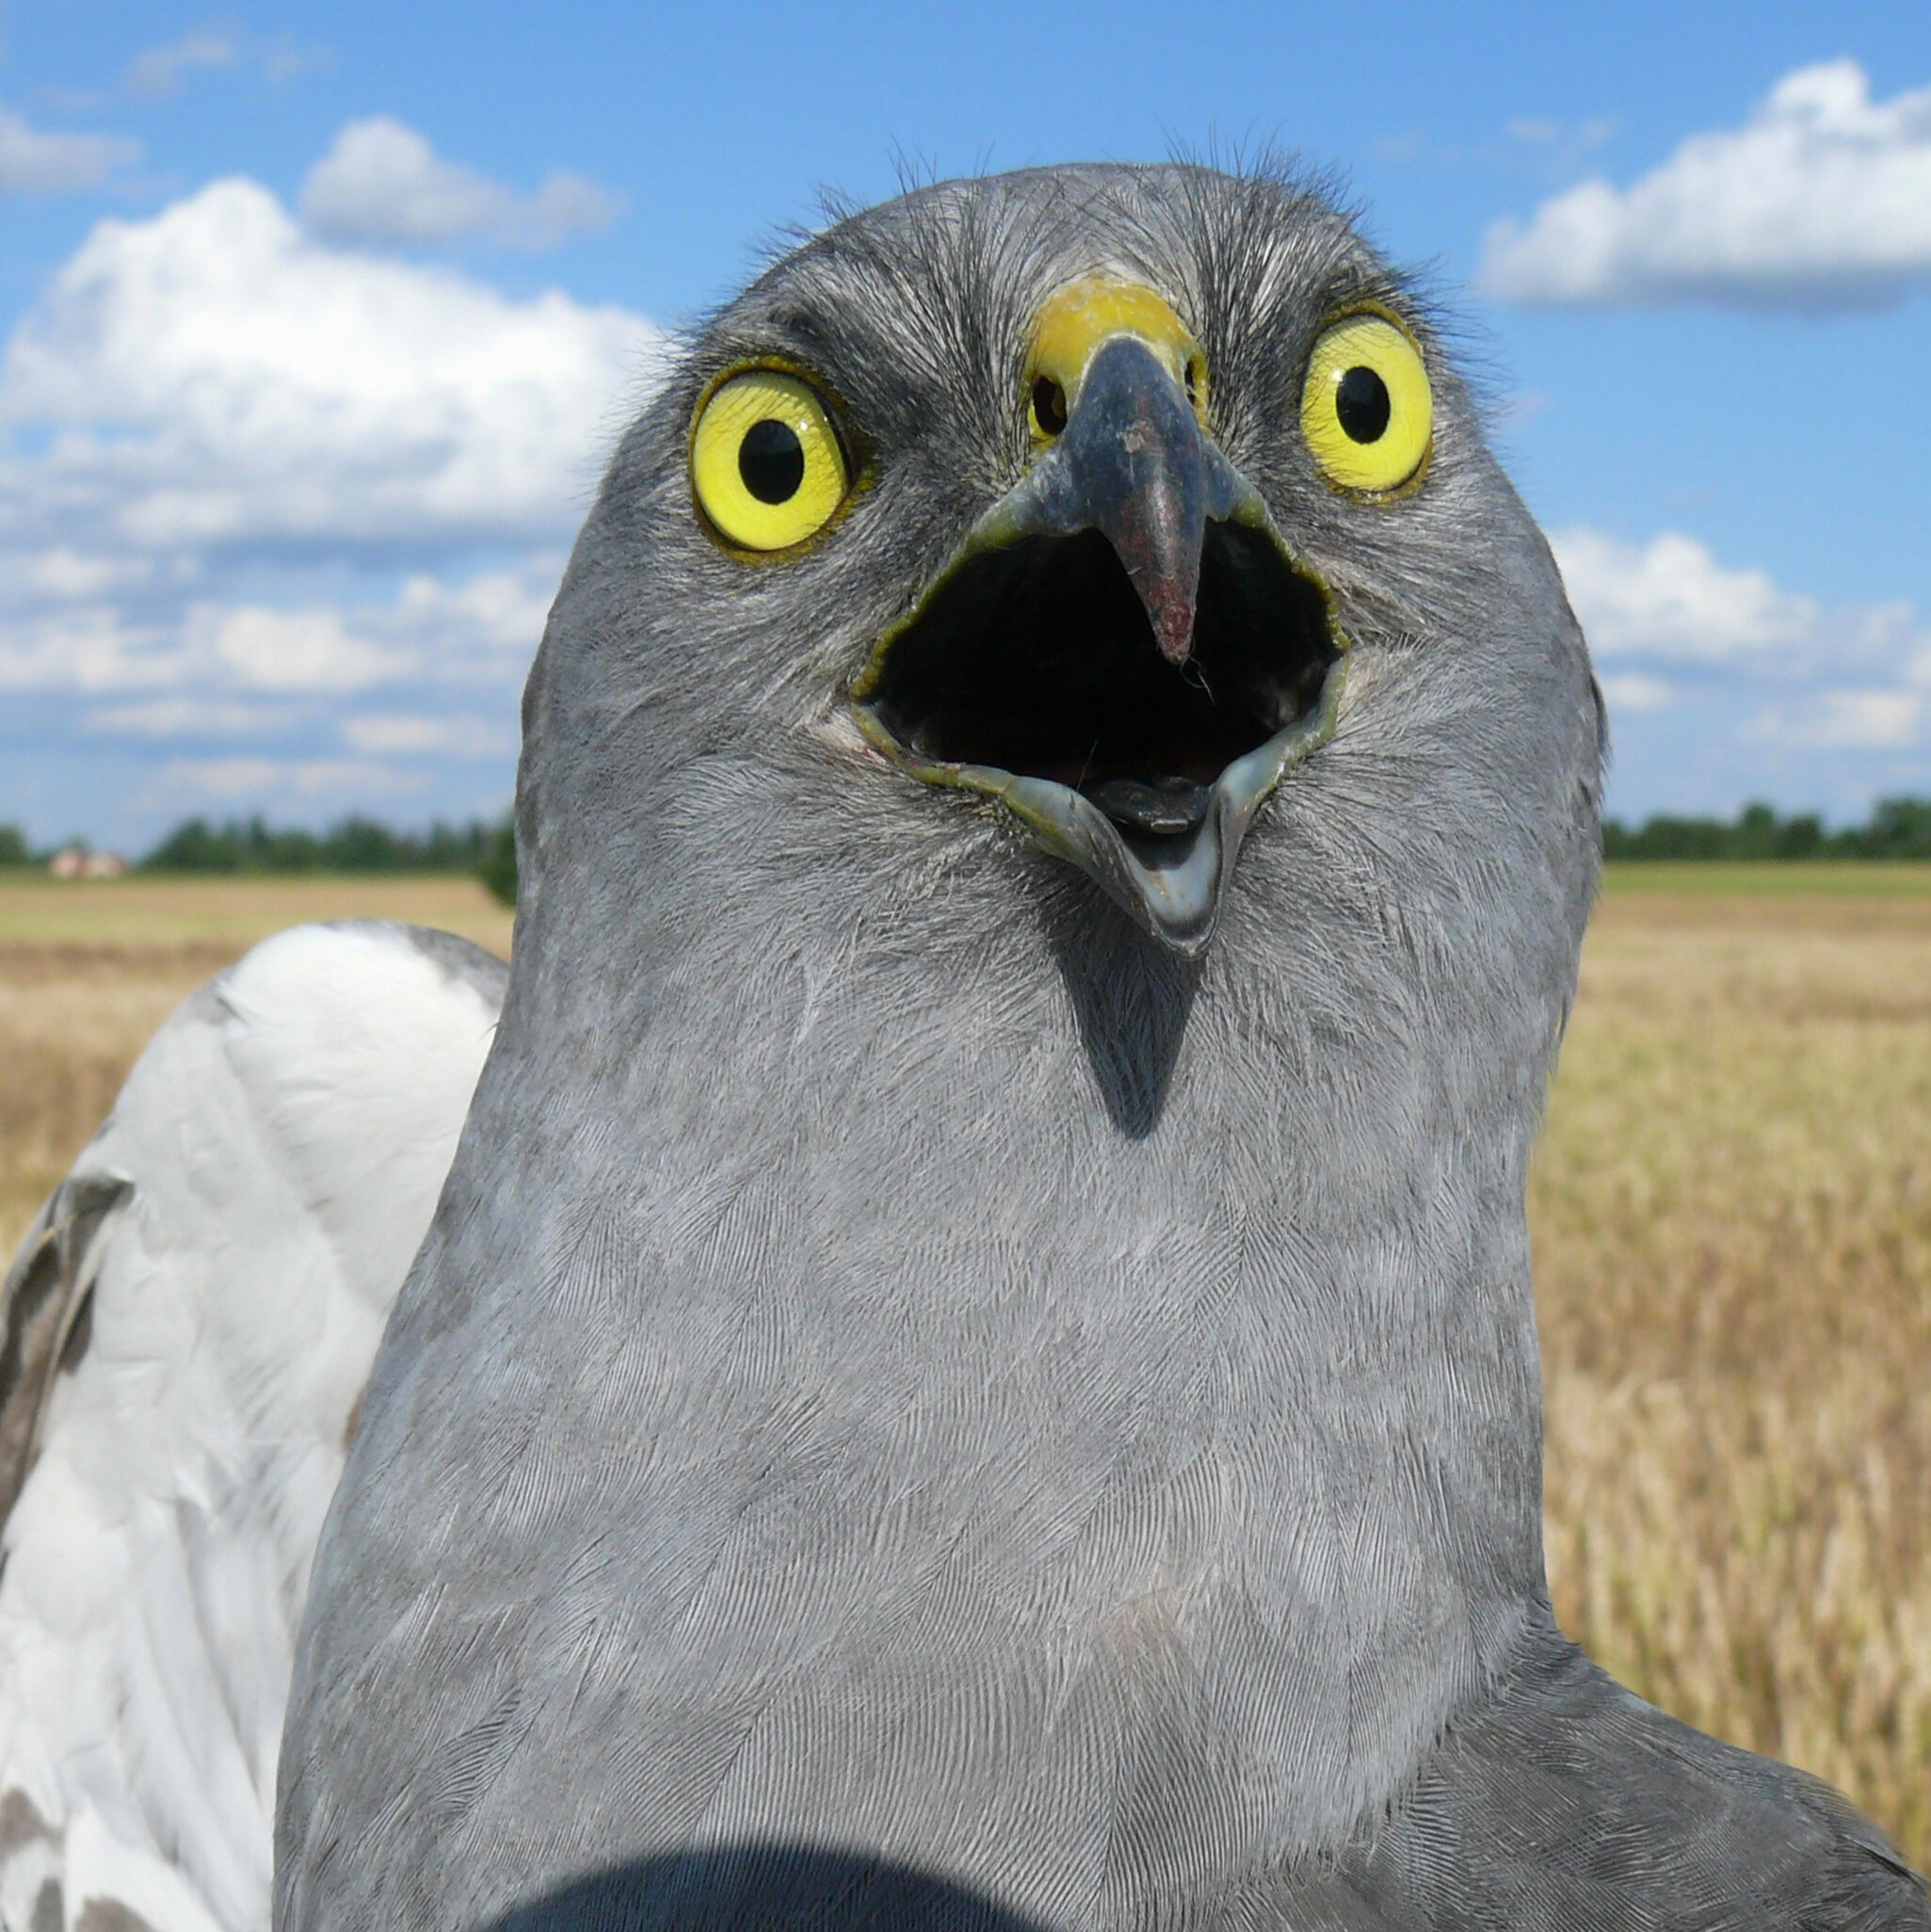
1031	674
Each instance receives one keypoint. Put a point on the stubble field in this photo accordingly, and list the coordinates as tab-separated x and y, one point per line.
1731	1214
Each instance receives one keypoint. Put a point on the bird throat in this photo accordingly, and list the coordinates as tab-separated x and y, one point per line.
1028	674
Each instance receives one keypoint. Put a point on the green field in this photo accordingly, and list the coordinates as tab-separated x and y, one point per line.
1856	879
1732	1219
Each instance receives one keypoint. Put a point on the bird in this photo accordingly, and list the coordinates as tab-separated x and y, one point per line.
974	1366
188	1328
979	1335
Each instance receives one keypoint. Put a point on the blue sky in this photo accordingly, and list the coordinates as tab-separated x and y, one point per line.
315	323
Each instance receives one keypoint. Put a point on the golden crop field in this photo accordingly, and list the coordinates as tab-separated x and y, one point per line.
1731	1214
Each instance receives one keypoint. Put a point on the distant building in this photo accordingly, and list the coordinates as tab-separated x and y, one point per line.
76	861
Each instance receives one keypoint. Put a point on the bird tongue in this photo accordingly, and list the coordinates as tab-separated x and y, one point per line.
1160	807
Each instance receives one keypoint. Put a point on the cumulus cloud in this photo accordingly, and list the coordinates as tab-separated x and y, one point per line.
33	162
61	575
254	782
1821	201
1670	602
104	648
1670	597
1723	685
262	649
382	182
160	71
501	609
1844	721
1636	691
300	501
212	374
471	634
189	718
464	735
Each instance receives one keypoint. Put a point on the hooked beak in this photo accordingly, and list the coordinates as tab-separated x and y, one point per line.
1135	465
1123	651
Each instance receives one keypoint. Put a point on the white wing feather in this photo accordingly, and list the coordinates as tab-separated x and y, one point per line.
243	1223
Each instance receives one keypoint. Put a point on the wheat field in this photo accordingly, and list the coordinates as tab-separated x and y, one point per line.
1731	1215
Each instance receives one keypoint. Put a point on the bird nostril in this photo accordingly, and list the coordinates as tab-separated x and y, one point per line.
1195	374
1049	406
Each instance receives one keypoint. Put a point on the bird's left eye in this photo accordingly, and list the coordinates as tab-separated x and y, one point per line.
767	464
1367	409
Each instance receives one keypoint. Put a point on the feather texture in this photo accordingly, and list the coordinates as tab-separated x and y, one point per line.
190	1323
919	1406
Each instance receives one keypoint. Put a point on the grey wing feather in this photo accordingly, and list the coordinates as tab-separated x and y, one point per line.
1570	1805
44	1307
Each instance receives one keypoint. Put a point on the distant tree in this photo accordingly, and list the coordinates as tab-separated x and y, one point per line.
13	847
353	845
195	846
498	869
1898	829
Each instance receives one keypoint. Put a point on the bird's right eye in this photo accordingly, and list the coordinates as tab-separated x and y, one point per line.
1367	409
767	465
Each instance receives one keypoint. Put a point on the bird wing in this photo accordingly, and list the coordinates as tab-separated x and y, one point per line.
184	1341
1565	1802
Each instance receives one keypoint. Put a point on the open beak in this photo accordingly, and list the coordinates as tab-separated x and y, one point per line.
1123	651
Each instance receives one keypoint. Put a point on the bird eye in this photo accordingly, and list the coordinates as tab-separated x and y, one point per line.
767	464
1049	408
1367	411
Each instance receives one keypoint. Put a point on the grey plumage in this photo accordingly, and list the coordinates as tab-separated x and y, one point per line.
908	1366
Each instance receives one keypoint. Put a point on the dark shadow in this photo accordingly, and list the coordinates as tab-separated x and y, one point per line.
764	1888
1132	996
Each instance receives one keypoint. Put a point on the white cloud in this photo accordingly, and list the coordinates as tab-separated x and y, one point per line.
64	576
96	649
1845	721
1670	604
261	649
1822	199
249	479
1669	598
159	71
382	182
463	736
36	163
1636	691
502	610
476	634
189	718
213	375
246	780
1723	685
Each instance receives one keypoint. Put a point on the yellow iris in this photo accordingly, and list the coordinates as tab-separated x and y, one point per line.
765	460
1367	411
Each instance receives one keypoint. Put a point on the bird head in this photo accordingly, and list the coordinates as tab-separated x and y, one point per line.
1077	535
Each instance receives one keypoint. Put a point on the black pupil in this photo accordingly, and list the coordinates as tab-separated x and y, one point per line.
1049	405
771	461
1360	400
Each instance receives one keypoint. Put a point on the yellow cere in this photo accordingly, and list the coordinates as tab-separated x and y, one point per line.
765	461
1367	411
1084	313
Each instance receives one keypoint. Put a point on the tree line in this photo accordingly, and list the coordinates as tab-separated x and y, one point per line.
1896	828
485	847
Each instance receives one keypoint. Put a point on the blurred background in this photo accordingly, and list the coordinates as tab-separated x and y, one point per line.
318	322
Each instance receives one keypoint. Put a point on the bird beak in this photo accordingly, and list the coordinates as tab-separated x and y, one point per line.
1123	651
1135	465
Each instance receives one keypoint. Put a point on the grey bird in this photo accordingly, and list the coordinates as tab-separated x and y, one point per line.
975	1365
